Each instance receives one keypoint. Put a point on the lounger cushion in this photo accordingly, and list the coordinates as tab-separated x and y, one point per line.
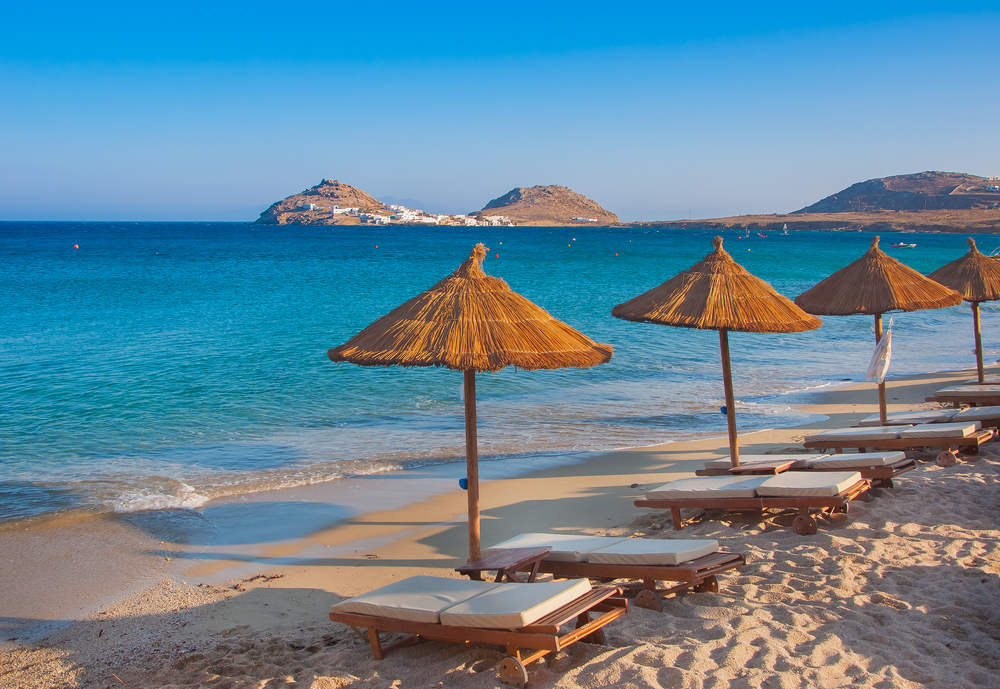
941	430
859	461
969	391
416	599
855	434
509	606
908	418
707	487
653	551
801	461
805	484
983	414
565	547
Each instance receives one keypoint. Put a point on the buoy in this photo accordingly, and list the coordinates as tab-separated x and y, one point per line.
569	245
76	246
497	255
616	254
376	246
574	239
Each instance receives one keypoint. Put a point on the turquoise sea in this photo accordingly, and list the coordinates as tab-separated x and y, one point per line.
163	364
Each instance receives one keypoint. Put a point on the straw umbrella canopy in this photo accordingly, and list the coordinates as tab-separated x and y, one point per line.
977	278
471	322
719	294
876	284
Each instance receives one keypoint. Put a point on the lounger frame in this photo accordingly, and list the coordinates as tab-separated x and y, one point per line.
804	524
538	639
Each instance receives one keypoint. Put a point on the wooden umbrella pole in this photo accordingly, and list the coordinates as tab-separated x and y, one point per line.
472	463
727	375
883	417
979	342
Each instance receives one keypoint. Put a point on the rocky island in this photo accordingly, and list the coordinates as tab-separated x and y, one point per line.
547	205
921	202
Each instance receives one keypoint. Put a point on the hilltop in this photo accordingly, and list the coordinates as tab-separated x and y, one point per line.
916	192
547	205
314	206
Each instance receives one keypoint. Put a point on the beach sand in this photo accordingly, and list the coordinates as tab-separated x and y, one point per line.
904	591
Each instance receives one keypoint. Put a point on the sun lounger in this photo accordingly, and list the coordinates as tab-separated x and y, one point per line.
516	616
878	467
693	563
950	437
972	395
800	490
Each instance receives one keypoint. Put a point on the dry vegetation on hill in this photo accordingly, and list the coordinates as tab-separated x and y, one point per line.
547	205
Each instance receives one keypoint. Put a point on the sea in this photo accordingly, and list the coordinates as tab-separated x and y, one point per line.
151	366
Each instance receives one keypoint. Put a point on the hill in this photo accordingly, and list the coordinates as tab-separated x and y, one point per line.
314	206
547	205
916	192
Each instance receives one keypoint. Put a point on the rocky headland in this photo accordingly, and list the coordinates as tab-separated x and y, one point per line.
547	205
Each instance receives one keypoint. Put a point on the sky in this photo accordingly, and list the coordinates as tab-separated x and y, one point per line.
215	110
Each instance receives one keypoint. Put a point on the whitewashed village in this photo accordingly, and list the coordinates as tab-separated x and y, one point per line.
401	215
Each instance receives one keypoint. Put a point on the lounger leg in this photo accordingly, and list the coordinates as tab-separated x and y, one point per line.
675	512
534	572
376	643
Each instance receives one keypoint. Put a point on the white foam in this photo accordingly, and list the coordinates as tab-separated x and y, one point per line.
185	499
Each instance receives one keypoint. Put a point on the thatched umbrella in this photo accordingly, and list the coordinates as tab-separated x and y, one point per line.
719	294
471	322
876	284
977	278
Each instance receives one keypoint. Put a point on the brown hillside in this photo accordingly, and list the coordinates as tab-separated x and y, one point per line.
964	221
294	210
917	192
547	205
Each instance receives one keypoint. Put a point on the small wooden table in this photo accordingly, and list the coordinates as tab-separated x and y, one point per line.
505	562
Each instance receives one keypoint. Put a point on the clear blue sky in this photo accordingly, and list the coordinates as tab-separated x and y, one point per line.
184	110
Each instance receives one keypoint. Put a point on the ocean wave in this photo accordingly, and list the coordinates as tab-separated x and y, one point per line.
186	498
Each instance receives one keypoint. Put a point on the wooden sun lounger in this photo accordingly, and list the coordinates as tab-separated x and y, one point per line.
968	445
804	524
524	645
697	574
879	476
971	395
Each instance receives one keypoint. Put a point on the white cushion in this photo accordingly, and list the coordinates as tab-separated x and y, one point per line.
565	547
707	487
509	606
855	434
908	418
416	599
941	430
652	551
969	391
802	484
801	461
856	461
977	414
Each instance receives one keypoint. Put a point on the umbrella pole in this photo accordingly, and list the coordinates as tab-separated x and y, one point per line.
883	417
979	342
472	463
727	375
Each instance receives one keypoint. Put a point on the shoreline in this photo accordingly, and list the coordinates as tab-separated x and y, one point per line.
207	576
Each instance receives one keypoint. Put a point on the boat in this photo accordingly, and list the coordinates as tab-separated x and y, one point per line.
901	245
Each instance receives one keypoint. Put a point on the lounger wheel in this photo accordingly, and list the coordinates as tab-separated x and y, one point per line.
947	459
805	525
512	671
707	585
969	450
649	600
596	637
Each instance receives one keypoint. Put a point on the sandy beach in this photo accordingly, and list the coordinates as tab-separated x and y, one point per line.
904	591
